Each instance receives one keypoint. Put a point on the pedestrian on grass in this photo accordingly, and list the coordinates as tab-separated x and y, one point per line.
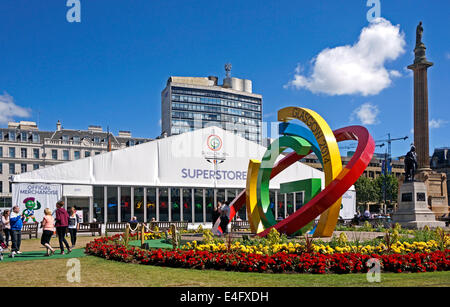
216	212
62	222
16	222
224	217
48	226
6	226
74	224
134	221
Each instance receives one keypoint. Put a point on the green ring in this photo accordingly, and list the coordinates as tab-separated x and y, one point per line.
300	146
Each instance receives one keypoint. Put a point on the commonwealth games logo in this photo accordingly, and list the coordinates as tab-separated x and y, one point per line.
214	142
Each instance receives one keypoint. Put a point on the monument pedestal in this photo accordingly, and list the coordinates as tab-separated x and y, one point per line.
436	184
413	211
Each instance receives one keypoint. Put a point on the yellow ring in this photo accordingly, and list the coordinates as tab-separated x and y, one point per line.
332	163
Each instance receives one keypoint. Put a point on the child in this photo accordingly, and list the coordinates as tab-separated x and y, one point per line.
48	225
2	246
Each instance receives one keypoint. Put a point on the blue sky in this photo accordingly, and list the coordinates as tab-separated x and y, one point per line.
110	68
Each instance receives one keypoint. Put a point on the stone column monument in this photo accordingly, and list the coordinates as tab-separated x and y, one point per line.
421	135
436	183
423	189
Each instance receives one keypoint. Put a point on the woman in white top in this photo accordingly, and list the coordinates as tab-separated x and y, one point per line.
74	221
6	226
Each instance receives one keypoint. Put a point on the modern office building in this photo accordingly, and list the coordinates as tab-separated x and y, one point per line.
23	148
190	103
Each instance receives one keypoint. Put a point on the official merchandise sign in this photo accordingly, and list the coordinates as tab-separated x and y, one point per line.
34	198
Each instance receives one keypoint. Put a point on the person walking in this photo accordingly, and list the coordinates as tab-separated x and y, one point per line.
48	225
16	222
216	212
62	222
6	226
74	222
224	217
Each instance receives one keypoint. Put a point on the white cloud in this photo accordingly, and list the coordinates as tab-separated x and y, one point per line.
355	69
366	114
9	110
436	123
447	55
395	73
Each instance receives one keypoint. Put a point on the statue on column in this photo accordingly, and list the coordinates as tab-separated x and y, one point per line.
410	164
419	33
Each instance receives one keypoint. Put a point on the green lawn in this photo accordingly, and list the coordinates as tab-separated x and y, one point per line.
100	272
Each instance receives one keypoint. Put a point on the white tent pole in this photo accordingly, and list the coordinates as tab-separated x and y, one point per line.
145	205
132	201
119	204
105	204
169	196
157	204
193	205
181	204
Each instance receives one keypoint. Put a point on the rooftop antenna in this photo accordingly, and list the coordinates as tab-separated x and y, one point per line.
228	70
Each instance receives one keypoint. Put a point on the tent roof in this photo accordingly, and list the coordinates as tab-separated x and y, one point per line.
184	160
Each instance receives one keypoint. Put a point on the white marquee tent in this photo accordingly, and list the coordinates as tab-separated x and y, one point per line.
182	161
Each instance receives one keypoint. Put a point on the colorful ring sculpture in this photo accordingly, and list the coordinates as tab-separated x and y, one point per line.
338	180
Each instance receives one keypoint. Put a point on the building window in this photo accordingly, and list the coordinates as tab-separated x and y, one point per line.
112	204
1	168
87	154
99	204
12	136
65	155
199	203
54	154
23	153
97	152
1	135
76	140
23	168
24	136
1	152
1	188
12	168
187	204
76	155
151	204
139	203
96	140
163	205
35	166
175	208
36	153
35	137
12	152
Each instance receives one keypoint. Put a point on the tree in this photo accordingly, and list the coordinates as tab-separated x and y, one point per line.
391	188
365	190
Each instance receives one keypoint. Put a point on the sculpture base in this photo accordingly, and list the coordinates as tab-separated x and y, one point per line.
413	211
436	185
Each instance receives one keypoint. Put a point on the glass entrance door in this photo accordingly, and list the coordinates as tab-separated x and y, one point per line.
82	204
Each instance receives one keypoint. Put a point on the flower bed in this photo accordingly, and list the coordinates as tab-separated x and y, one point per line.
280	262
297	248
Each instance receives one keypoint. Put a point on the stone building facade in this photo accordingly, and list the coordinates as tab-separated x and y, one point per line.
23	148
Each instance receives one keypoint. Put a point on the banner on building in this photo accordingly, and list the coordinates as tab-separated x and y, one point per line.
34	198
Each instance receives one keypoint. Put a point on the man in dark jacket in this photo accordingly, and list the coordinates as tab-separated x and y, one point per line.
61	224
